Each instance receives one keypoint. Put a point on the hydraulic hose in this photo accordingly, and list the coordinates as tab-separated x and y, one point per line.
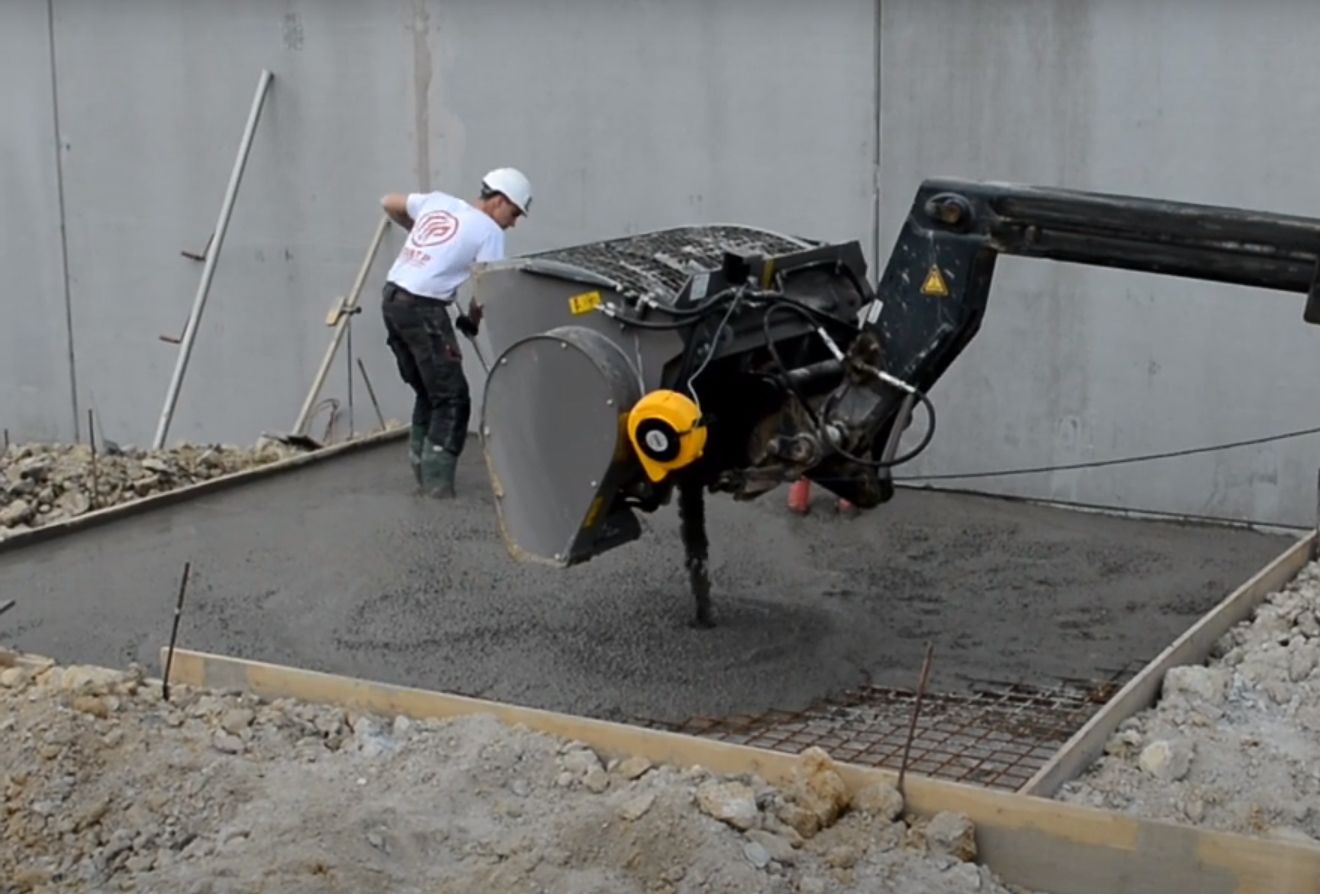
806	312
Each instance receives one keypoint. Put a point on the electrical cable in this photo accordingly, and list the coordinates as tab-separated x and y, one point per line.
1129	510
826	480
710	351
683	316
1003	473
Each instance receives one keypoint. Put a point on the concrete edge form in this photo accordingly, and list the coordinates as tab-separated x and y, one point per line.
201	488
19	659
1026	840
1192	647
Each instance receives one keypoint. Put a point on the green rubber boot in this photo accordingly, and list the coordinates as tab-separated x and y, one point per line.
416	442
437	471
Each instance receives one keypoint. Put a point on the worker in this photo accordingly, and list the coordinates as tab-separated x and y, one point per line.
447	235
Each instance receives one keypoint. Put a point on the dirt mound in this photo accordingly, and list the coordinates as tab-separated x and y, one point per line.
105	787
1233	744
44	483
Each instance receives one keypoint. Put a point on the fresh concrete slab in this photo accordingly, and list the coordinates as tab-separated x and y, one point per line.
338	567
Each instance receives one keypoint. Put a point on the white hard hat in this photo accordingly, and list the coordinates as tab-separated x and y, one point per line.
512	183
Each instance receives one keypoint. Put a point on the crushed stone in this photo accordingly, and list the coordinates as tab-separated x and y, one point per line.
106	787
45	483
1233	744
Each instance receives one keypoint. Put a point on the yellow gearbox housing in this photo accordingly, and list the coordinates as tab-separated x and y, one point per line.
666	432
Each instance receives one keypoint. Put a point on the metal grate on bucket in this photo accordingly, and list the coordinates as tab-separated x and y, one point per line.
660	263
996	734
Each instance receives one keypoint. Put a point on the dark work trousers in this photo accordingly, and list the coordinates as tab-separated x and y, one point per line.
426	348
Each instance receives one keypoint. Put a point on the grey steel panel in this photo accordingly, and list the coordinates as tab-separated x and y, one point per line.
659	264
552	432
518	304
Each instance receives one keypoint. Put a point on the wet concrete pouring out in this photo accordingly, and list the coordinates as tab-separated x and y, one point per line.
338	567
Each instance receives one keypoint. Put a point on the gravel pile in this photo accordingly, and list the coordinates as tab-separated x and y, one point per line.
44	483
1233	744
105	787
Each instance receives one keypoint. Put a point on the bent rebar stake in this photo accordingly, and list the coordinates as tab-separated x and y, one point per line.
174	632
916	710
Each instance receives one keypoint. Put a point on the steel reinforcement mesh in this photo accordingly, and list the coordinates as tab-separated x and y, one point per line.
996	734
660	263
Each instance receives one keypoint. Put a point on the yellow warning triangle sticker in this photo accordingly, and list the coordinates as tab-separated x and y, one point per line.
934	283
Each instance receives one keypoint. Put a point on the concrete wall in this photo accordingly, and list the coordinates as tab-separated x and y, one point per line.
36	390
627	116
1153	97
152	106
639	114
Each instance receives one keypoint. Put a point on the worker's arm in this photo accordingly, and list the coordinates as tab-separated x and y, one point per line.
396	207
492	249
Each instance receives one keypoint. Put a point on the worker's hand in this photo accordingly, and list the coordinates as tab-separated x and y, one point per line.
465	325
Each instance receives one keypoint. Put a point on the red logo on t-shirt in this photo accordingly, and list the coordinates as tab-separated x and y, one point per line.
435	228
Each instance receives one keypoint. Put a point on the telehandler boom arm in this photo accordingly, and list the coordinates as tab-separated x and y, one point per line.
962	226
732	359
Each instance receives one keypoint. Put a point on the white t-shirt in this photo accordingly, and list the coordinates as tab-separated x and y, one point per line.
447	237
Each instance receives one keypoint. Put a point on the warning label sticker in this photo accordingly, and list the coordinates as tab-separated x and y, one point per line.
934	283
583	302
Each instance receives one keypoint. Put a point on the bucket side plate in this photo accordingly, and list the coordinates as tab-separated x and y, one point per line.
553	437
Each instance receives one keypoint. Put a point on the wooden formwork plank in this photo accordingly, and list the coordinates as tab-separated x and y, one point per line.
192	491
1030	841
1193	647
10	658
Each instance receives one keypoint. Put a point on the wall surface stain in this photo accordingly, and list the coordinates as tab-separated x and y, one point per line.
293	31
421	94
